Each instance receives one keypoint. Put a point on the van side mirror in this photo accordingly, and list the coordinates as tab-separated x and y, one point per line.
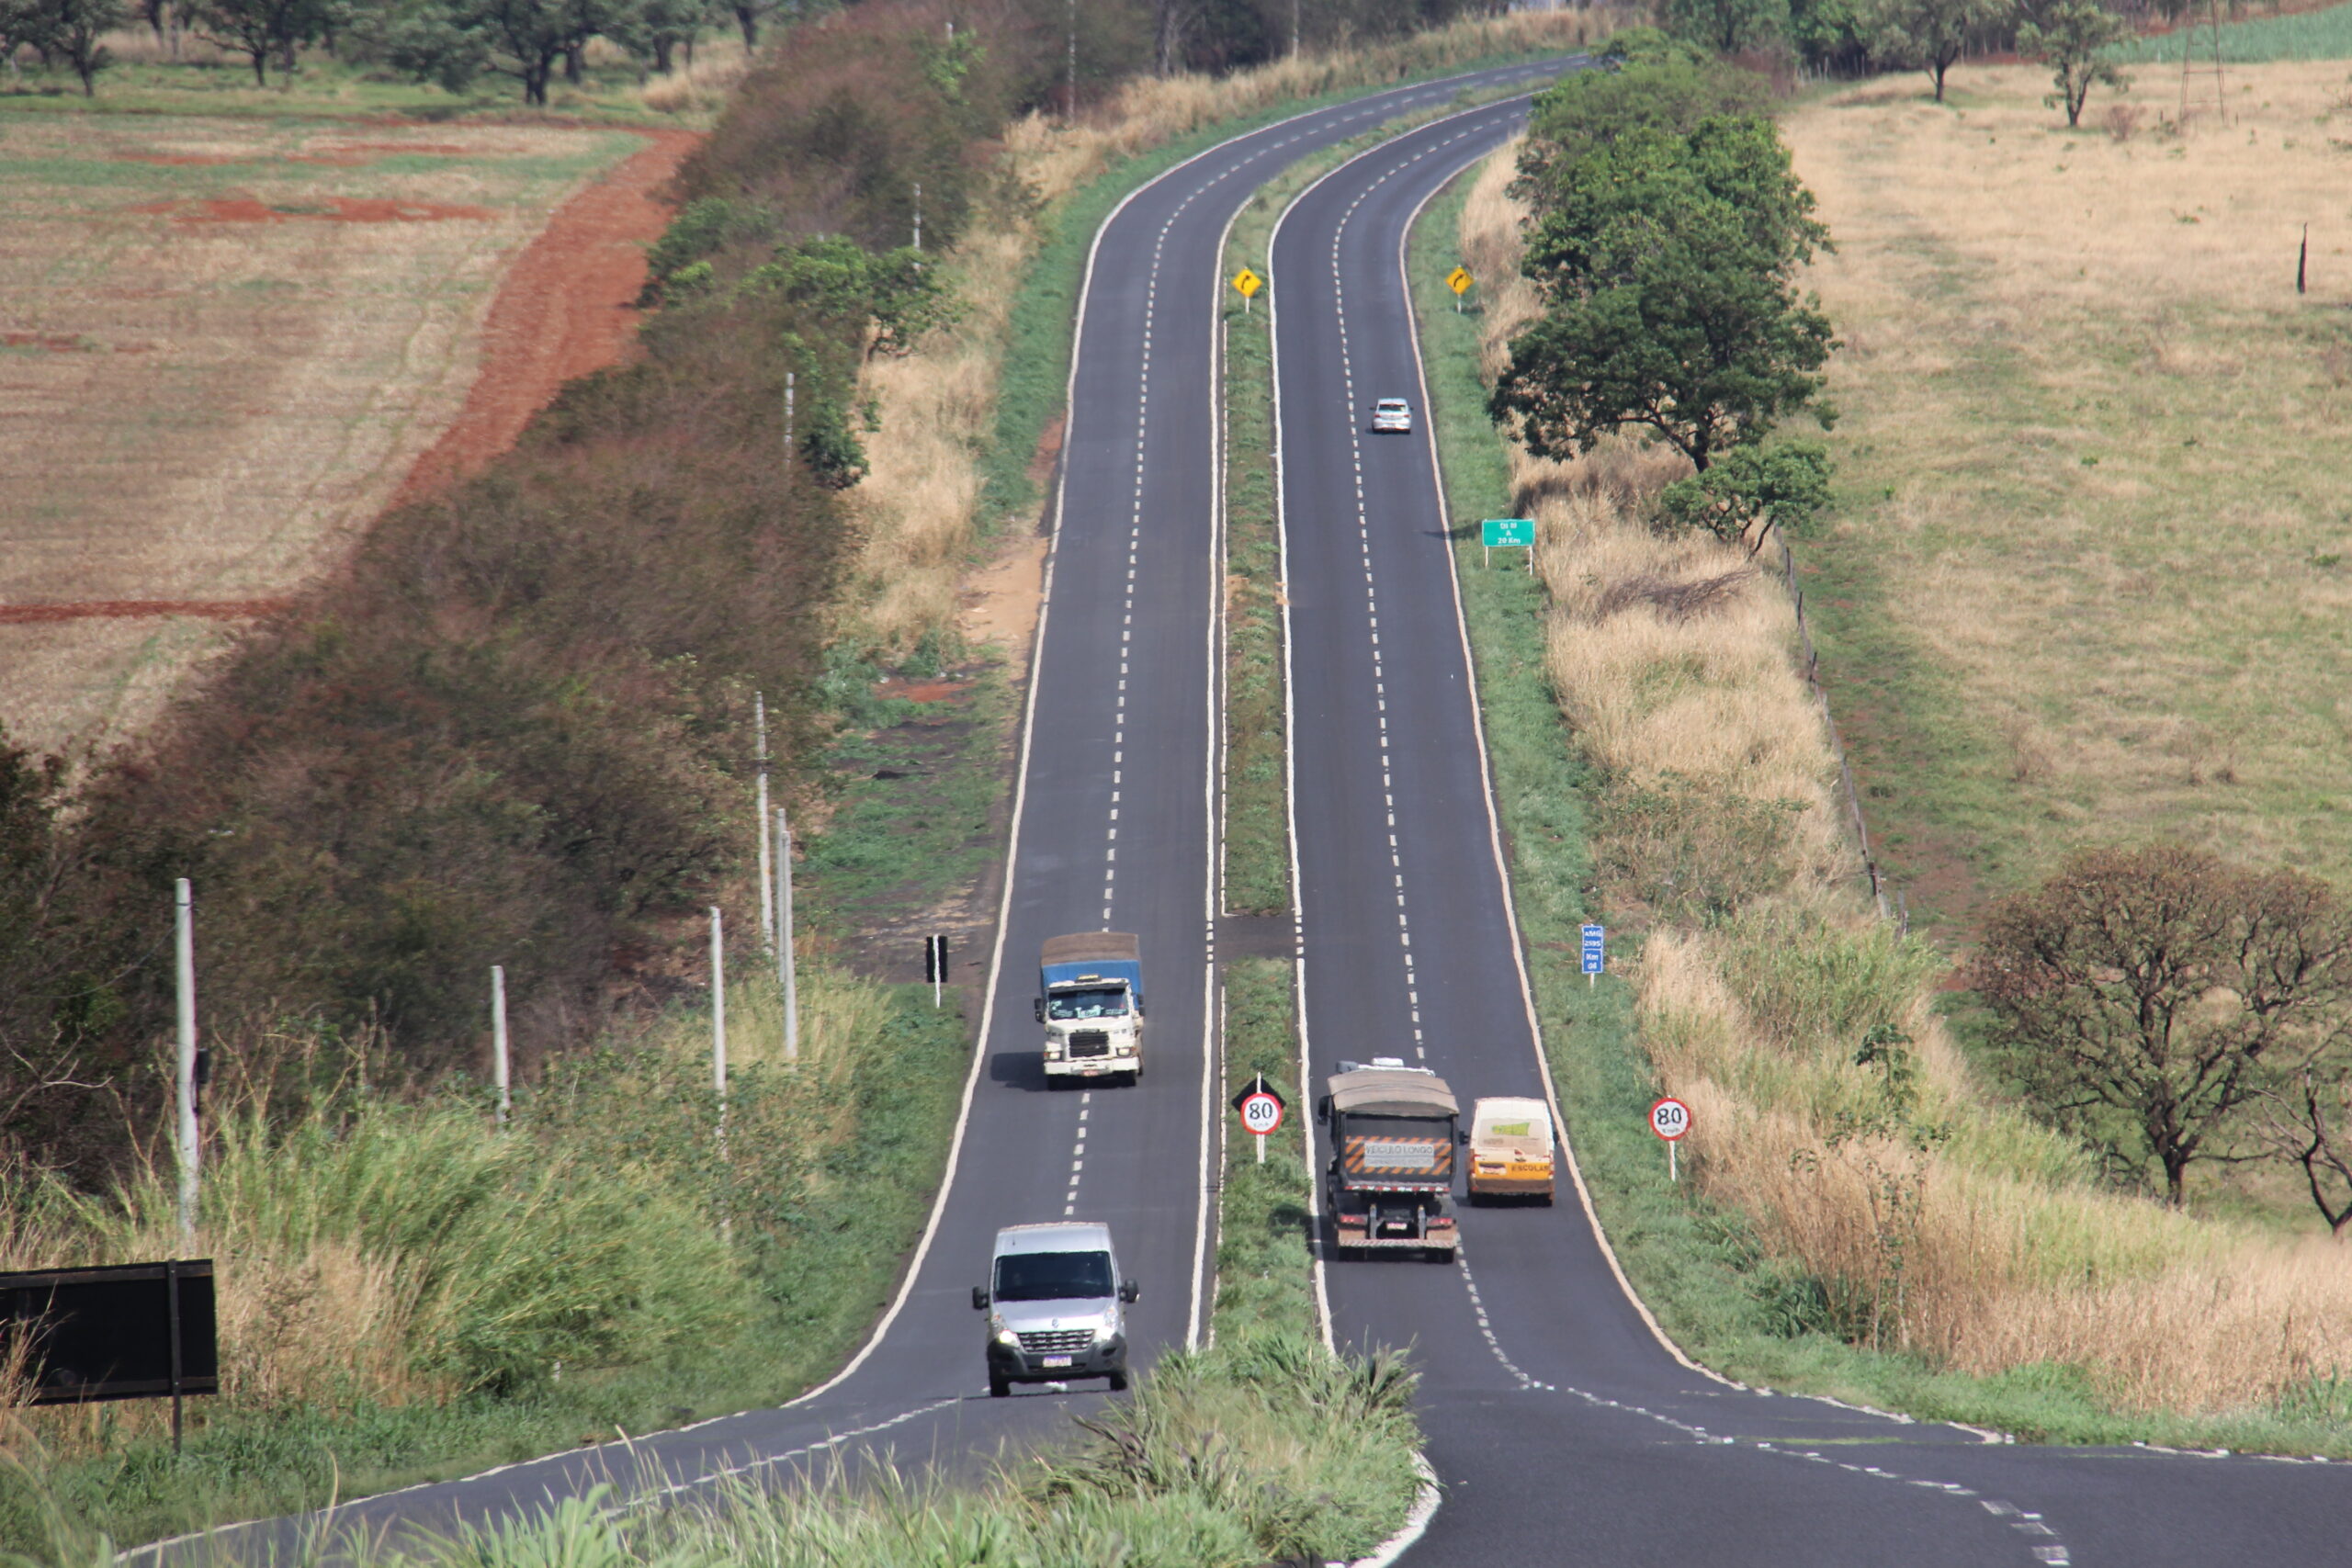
979	1298
1038	1006
1323	1109
1462	1138
1130	1291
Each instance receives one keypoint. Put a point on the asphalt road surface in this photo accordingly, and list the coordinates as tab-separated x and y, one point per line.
1113	829
1564	1429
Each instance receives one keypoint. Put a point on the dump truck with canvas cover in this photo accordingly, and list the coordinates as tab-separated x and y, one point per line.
1090	998
1511	1149
1393	1130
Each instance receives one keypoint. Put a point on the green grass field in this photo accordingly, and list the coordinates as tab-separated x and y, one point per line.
2308	35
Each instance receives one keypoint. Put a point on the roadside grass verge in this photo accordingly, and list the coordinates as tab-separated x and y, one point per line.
408	1294
1740	1264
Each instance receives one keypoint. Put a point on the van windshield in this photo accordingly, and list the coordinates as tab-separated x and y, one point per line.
1106	1001
1052	1276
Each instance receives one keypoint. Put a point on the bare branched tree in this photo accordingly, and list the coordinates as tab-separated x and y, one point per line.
2165	990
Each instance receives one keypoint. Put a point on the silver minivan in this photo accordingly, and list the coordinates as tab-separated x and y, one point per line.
1055	1300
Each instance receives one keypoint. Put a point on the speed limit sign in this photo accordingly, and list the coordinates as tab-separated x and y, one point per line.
1260	1113
1669	1119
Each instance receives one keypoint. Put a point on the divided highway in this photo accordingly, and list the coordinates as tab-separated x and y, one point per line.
1113	826
1563	1426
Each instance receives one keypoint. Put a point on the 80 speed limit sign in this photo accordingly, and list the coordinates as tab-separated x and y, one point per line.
1669	1119
1260	1113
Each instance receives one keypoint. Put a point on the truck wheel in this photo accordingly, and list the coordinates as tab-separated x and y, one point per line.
998	1386
1119	1381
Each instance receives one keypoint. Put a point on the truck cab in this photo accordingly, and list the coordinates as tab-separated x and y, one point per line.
1511	1149
1090	998
1056	1302
1393	1132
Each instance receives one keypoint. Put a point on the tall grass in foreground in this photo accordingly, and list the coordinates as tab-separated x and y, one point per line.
1230	1459
401	1286
919	503
1830	1107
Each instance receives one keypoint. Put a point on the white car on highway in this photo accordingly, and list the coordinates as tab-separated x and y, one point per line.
1392	414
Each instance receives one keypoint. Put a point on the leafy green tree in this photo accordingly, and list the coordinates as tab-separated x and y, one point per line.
1829	34
835	457
652	30
2071	36
1665	86
453	41
259	29
2144	997
895	294
1729	26
1929	35
1752	487
71	31
1667	262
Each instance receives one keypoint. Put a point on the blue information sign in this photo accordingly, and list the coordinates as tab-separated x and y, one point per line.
1593	937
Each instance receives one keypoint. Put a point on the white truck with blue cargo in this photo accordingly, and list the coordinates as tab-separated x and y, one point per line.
1090	998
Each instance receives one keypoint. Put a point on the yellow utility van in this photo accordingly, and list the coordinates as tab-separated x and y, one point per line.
1511	1149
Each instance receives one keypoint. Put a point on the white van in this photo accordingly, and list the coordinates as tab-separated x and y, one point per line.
1055	1300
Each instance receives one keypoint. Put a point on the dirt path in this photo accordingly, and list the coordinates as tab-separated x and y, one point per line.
564	309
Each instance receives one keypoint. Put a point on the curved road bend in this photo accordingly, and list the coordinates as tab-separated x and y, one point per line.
1562	1428
1112	828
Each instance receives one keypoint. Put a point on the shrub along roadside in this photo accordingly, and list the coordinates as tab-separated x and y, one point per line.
413	1295
1701	1266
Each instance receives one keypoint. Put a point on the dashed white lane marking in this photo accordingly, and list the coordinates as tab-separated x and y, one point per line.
2025	1523
1078	1153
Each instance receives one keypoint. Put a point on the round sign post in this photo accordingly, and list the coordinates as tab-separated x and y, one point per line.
1670	1119
1262	1113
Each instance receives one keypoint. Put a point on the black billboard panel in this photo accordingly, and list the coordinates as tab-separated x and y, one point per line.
94	1334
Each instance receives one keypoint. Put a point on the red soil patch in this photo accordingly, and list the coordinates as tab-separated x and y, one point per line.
921	690
132	609
53	343
566	309
1049	450
338	209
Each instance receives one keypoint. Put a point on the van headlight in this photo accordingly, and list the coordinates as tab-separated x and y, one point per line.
1005	1335
1107	1331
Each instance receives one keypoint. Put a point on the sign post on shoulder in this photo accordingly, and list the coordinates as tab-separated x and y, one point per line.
1261	1109
1670	1119
1595	953
1248	283
1459	281
1506	533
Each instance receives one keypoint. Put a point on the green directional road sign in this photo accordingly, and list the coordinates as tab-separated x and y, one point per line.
1497	532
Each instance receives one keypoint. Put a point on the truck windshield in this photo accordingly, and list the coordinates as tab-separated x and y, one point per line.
1052	1276
1103	1001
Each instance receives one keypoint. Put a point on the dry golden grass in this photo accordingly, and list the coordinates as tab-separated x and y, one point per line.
197	408
699	87
1939	1223
938	405
2093	563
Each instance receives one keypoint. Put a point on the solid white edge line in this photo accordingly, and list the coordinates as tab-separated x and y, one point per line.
1417	1522
971	1081
1290	705
1486	792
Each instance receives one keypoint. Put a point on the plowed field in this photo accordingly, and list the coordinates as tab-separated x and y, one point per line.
225	345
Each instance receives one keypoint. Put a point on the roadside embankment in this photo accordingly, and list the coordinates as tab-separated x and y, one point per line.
1859	1217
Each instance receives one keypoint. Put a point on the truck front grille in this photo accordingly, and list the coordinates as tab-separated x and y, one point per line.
1089	1043
1057	1341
